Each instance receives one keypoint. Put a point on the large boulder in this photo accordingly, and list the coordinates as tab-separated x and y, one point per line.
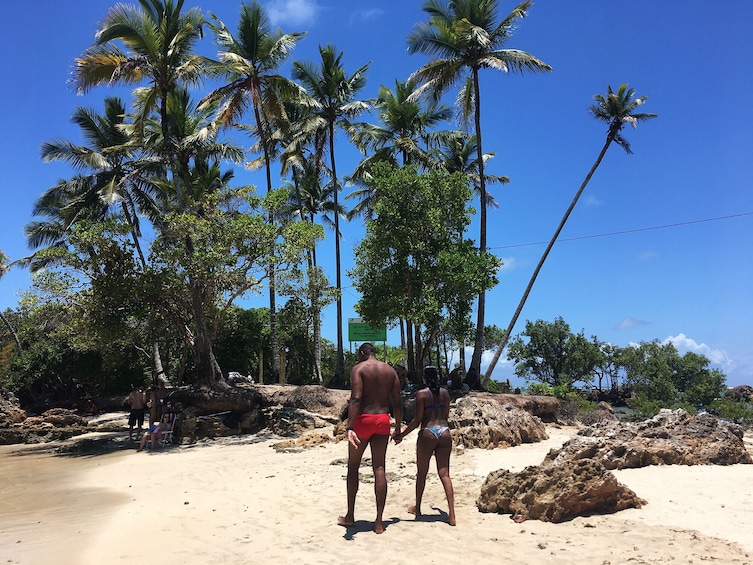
555	492
476	422
312	398
672	437
288	422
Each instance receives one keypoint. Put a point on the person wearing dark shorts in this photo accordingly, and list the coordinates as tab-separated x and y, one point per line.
137	401
374	385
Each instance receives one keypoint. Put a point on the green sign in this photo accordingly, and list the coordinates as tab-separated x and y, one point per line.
358	330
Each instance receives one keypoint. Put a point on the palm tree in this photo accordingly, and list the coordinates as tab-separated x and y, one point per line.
4	269
615	109
404	136
250	63
464	37
114	175
332	98
159	41
459	154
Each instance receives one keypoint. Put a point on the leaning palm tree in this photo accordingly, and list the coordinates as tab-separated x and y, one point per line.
465	37
250	63
332	98
615	109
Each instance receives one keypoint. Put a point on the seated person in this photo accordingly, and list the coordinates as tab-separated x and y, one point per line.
455	380
155	431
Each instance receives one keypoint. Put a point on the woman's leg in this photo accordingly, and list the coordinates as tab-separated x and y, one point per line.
424	449
442	455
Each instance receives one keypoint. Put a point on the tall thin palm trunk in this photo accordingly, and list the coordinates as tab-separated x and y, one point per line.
513	321
478	344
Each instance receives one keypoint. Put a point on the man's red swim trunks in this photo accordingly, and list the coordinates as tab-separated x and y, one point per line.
367	425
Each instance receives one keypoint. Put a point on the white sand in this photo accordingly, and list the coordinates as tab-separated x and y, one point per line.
238	501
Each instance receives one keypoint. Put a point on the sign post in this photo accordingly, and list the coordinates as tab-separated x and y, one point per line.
358	330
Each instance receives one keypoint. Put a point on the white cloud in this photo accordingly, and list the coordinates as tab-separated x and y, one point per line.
592	201
647	255
365	15
629	323
684	344
292	12
508	264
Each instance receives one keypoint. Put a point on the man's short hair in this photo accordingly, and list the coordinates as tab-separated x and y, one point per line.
367	348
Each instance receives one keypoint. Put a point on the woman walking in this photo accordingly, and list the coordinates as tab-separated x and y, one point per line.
434	438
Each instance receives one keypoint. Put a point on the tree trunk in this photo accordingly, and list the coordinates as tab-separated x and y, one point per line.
340	366
478	345
12	332
511	325
209	372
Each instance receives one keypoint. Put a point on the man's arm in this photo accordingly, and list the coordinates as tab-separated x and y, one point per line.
397	405
354	404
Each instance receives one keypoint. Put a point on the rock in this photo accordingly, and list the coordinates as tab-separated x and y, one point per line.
672	437
602	413
312	398
10	409
306	441
553	492
287	422
742	393
476	422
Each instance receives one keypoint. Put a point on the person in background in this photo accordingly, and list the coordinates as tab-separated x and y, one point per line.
473	381
136	400
156	430
434	438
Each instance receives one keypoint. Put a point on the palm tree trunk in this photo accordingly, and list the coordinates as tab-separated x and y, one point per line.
561	225
340	367
478	345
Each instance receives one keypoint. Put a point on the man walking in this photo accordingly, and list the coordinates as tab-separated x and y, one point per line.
374	385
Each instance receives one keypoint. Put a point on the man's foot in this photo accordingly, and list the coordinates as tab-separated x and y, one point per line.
378	527
451	521
345	521
412	510
138	449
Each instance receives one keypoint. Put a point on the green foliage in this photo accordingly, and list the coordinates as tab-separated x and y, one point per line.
553	354
540	389
414	262
662	378
738	411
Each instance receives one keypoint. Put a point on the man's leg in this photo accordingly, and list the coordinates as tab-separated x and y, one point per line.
355	454
378	458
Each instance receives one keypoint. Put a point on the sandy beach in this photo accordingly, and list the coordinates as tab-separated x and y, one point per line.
237	500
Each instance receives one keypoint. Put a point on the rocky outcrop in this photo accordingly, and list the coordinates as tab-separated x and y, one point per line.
53	425
602	413
311	398
10	409
672	437
553	492
476	422
742	393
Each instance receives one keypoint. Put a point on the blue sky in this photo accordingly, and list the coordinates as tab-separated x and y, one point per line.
672	260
